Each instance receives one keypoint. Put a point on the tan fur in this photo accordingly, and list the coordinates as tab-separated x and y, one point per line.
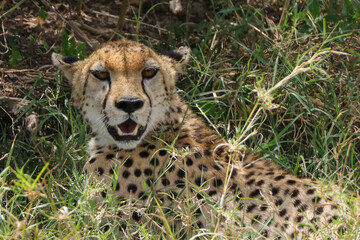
179	157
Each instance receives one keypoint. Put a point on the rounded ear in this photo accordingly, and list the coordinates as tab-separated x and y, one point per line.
180	56
65	64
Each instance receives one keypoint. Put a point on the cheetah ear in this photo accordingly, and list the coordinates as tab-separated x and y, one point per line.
180	56
65	64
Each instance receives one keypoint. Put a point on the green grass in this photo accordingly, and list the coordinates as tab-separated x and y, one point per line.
309	126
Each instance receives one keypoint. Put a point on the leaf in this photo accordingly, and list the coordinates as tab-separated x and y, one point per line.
348	8
42	14
314	7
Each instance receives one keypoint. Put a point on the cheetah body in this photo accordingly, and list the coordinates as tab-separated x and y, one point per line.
165	152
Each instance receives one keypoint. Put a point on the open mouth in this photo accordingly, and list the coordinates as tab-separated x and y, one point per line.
128	130
129	127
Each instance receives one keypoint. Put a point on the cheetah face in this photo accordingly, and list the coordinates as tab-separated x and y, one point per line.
123	89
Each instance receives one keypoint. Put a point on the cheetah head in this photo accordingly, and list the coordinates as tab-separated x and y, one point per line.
123	89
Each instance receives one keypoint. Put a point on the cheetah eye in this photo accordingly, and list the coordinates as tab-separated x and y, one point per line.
149	73
103	76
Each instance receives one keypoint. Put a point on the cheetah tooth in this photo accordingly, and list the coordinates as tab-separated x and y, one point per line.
136	129
119	131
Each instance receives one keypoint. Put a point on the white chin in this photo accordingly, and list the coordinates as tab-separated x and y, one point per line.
127	145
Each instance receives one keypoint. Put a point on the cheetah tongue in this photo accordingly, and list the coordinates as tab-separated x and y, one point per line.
129	127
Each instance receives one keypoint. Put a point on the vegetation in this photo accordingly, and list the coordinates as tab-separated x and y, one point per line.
280	79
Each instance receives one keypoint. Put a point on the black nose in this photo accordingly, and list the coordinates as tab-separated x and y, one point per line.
129	105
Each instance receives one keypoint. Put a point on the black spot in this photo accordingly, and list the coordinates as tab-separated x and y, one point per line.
136	216
100	171
278	178
234	173
299	218
263	207
212	193
316	199
269	173
106	228
92	160
291	182
275	191
126	174
148	171
207	152
151	147
144	154
129	162
103	194
319	210
189	161
198	155
199	181
302	208
216	167
250	208
183	136
171	168
110	156
249	166
295	193
333	218
297	202
172	195
154	161
142	195
162	152
137	172
117	186
180	184
259	183
149	182
251	181
218	182
111	171
282	212
334	207
310	191
181	173
233	186
199	224
132	188
203	168
254	193
165	181
250	174
279	202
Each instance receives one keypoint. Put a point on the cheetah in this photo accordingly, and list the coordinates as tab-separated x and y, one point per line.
147	144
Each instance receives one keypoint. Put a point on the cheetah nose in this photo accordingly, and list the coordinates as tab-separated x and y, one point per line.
129	105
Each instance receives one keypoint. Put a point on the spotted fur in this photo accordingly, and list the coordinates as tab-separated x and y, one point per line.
173	155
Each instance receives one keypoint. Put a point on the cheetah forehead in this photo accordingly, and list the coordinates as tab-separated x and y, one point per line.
125	56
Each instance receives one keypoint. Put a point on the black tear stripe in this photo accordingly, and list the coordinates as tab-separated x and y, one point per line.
85	85
106	96
143	87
